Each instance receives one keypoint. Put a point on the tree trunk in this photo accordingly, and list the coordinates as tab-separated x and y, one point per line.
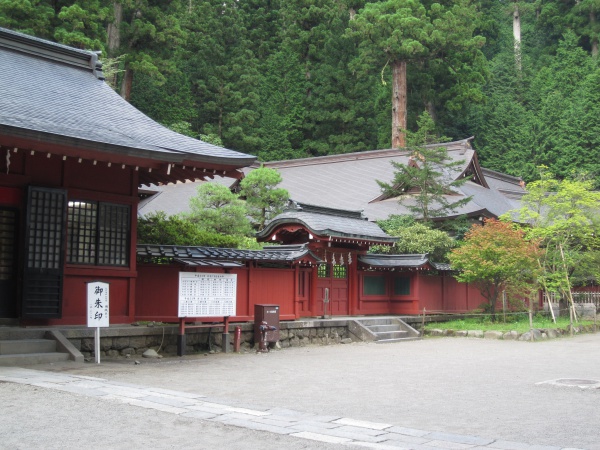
127	82
517	36
399	90
114	30
594	38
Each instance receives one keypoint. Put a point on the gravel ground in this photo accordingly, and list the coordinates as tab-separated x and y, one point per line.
456	385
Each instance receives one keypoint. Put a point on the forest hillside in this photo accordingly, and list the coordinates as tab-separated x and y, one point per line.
285	79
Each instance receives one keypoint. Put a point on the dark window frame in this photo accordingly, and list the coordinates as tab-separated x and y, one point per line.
98	233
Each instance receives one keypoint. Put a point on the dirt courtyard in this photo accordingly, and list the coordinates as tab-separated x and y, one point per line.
466	386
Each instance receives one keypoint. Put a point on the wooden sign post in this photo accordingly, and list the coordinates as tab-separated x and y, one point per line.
97	311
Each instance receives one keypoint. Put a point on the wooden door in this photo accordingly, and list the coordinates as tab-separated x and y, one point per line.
335	279
8	262
45	231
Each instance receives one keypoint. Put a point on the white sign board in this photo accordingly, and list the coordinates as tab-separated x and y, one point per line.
207	294
97	304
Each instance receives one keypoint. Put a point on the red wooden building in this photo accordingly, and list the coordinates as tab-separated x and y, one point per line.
323	249
72	157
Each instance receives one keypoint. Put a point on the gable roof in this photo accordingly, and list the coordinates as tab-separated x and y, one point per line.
54	94
349	181
326	224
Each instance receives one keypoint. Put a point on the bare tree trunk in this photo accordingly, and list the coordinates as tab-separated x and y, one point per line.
517	36
114	30
430	108
127	82
114	41
399	90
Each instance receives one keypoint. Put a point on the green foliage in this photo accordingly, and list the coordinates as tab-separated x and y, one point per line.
518	322
157	228
415	238
264	199
34	17
496	257
424	186
216	209
564	216
284	80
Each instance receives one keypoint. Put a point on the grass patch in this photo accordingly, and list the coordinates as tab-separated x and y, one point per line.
519	323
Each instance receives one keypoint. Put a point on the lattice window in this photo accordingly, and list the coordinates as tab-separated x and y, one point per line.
340	271
82	218
98	233
46	220
113	239
324	271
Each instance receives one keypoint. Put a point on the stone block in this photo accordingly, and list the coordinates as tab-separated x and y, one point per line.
461	333
436	332
493	335
510	335
119	343
475	333
552	333
137	342
537	335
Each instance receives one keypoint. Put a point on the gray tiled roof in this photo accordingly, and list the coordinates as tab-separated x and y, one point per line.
54	93
390	261
329	222
217	256
349	181
401	261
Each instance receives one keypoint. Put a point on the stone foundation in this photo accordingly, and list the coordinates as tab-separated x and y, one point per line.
127	341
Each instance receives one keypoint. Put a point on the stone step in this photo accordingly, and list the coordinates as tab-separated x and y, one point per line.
381	328
24	346
391	341
398	334
27	359
376	321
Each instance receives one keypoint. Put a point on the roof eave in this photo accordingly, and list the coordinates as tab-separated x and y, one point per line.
166	155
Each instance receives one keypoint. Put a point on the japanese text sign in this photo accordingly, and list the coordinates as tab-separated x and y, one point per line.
97	304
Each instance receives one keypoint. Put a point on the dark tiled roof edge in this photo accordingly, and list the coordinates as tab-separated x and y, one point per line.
51	50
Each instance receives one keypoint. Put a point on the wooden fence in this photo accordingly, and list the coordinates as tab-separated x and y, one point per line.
578	297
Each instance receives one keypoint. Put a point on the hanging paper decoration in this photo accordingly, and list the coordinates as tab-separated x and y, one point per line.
349	258
7	160
333	259
325	257
341	260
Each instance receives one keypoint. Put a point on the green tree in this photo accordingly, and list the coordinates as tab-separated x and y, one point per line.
157	228
496	257
402	32
563	215
34	17
264	199
425	186
415	238
216	209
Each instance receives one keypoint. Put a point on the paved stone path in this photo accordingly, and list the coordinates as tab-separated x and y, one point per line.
328	429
